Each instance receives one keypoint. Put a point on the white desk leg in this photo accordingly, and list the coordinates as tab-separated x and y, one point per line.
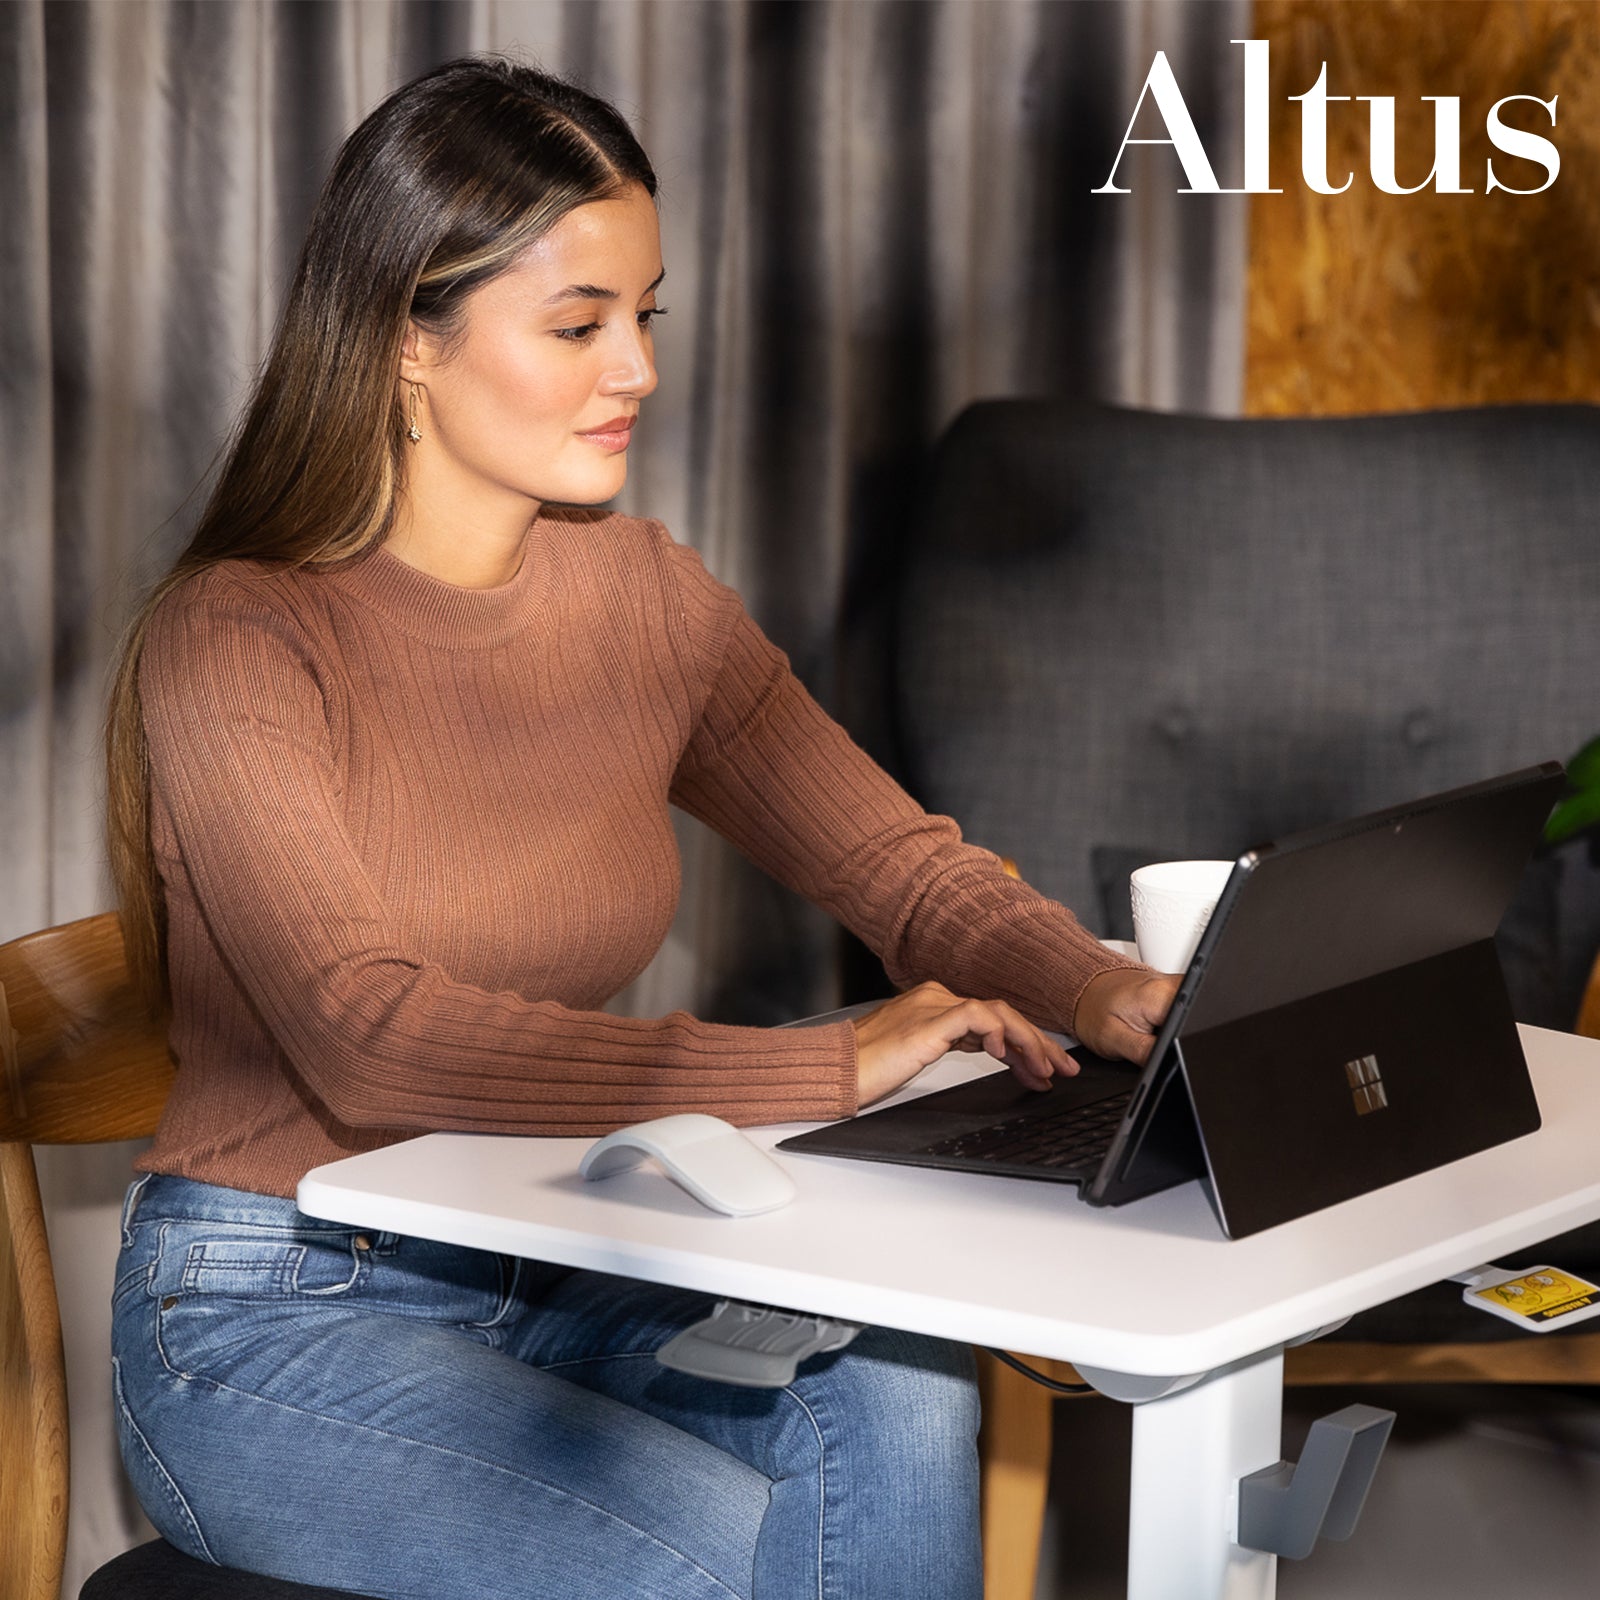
1189	1452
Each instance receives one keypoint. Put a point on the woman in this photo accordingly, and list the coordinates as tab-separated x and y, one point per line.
391	757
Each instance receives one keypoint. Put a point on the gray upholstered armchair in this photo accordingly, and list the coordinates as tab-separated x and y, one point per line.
1124	636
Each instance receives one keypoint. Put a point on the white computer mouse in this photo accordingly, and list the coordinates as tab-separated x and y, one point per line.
704	1155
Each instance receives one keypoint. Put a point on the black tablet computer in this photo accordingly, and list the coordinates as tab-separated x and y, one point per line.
1343	1024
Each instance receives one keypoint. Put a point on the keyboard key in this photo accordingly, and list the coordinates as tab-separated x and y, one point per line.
1071	1138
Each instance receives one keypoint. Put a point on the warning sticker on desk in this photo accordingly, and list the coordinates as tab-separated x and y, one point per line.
1539	1296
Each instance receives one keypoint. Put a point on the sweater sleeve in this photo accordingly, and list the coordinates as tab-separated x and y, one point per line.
774	774
242	764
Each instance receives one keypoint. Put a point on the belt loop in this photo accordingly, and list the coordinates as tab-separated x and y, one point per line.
130	1205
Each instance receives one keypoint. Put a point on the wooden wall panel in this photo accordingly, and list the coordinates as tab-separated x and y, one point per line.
1366	301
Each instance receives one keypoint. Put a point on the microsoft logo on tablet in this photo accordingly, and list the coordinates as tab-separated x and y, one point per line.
1366	1085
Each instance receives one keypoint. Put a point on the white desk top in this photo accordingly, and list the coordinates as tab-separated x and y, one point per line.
1149	1288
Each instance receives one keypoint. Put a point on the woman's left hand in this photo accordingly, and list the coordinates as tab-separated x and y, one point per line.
1120	1012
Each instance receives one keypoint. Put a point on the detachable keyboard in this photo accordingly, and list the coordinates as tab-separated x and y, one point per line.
1071	1138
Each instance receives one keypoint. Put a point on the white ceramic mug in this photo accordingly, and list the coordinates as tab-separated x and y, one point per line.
1172	903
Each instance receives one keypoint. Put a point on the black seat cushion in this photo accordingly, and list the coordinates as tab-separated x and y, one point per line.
156	1571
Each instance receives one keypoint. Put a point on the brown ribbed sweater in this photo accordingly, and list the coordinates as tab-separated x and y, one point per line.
412	836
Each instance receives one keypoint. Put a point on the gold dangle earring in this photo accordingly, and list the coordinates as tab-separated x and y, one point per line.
414	433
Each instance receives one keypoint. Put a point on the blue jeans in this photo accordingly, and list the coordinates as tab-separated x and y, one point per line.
420	1421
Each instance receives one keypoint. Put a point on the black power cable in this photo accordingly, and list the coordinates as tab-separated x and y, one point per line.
1039	1377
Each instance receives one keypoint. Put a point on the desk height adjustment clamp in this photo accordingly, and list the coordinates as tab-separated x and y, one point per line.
756	1347
1285	1509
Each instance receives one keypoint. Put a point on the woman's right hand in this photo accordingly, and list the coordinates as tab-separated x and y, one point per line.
903	1035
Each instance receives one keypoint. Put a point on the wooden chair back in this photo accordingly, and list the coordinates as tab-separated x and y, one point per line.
80	1063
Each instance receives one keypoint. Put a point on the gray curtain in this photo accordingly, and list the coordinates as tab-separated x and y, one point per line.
873	213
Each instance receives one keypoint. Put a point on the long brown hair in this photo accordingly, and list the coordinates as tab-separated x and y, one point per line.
437	192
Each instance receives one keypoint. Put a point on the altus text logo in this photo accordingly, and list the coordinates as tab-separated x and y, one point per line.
1161	86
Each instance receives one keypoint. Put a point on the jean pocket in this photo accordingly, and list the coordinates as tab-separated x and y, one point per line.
247	1269
218	1288
260	1263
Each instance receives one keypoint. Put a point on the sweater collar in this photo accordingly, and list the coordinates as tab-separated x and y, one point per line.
443	613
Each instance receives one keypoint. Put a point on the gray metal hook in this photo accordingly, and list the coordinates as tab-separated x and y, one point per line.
1285	1509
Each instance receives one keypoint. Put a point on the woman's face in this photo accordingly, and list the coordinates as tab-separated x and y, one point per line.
536	394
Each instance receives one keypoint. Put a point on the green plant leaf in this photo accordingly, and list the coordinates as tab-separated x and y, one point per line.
1583	770
1573	815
